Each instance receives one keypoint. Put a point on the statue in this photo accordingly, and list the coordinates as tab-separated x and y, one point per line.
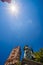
28	52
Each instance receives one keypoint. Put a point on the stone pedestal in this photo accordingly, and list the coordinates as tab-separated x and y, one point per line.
30	62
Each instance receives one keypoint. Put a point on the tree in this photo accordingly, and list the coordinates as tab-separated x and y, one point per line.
39	55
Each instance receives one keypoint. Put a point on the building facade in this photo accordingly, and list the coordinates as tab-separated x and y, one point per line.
14	57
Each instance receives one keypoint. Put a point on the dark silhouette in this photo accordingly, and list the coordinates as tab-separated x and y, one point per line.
9	1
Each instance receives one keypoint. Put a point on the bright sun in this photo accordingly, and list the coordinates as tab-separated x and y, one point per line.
14	9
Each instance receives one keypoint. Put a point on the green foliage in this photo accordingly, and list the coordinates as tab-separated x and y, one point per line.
39	55
19	63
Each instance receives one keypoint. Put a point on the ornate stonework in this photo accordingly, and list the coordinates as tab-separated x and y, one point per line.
30	62
14	57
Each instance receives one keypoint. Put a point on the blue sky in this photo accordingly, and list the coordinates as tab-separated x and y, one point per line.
25	29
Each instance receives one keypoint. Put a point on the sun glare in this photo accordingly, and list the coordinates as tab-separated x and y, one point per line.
14	9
